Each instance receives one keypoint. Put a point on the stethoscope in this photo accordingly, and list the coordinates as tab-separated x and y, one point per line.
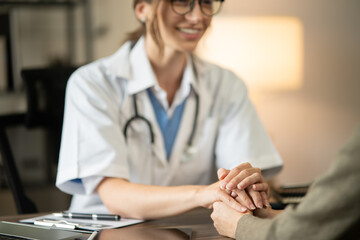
190	150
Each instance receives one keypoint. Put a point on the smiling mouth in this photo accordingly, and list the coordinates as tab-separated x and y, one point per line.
189	30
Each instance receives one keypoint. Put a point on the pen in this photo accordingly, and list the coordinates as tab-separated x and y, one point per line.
92	216
92	236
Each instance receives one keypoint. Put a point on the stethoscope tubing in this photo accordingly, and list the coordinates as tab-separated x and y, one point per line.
137	116
190	141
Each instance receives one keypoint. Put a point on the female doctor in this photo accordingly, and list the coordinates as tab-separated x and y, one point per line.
146	128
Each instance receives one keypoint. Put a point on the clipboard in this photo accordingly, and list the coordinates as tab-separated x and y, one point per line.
51	220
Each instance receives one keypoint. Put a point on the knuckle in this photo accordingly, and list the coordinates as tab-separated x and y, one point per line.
247	171
232	181
236	169
245	182
247	202
228	200
257	175
247	165
256	195
243	196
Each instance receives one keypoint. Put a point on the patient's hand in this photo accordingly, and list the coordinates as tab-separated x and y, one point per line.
226	218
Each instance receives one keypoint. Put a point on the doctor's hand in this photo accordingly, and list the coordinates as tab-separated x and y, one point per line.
226	219
245	182
207	195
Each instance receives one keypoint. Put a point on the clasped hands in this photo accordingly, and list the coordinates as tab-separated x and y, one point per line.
243	188
246	192
246	185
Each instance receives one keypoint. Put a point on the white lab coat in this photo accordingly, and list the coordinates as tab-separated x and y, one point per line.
99	103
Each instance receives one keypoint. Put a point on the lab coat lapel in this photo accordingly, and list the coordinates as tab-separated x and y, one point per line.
205	96
183	134
140	77
187	122
158	147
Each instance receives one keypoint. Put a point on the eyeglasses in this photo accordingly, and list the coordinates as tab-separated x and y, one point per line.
207	7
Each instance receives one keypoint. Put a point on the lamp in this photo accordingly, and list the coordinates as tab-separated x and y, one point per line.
267	52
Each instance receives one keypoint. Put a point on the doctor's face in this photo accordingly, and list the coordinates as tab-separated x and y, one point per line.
181	32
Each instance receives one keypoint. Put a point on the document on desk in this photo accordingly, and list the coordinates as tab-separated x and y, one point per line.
79	224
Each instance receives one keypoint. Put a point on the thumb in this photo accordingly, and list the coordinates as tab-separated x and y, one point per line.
222	173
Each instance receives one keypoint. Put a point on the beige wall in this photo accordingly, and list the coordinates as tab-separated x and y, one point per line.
307	125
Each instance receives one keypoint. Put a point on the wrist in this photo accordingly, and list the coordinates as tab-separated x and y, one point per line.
198	196
266	212
273	213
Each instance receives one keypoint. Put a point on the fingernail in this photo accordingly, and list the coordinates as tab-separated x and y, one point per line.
252	207
233	194
230	186
260	205
243	209
223	185
222	176
240	186
267	203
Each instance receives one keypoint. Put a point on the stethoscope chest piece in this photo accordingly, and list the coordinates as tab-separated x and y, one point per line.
189	154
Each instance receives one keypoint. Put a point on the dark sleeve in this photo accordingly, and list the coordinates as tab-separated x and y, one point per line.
330	210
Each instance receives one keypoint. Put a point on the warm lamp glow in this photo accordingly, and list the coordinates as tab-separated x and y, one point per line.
266	52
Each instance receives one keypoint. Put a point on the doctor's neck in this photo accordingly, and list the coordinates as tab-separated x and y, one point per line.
168	67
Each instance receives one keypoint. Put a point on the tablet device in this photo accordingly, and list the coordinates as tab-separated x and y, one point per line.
27	231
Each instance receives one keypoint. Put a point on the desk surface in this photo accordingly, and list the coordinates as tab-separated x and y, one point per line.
198	220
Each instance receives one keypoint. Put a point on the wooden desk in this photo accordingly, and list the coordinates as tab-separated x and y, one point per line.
198	220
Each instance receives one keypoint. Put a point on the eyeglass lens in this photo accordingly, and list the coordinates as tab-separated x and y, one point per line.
208	7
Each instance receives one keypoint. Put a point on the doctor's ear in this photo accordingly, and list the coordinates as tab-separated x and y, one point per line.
142	11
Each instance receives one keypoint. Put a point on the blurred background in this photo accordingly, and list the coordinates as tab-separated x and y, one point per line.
299	59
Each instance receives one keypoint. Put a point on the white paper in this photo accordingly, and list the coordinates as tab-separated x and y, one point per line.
88	224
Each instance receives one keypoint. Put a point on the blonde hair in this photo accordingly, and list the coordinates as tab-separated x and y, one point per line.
154	27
